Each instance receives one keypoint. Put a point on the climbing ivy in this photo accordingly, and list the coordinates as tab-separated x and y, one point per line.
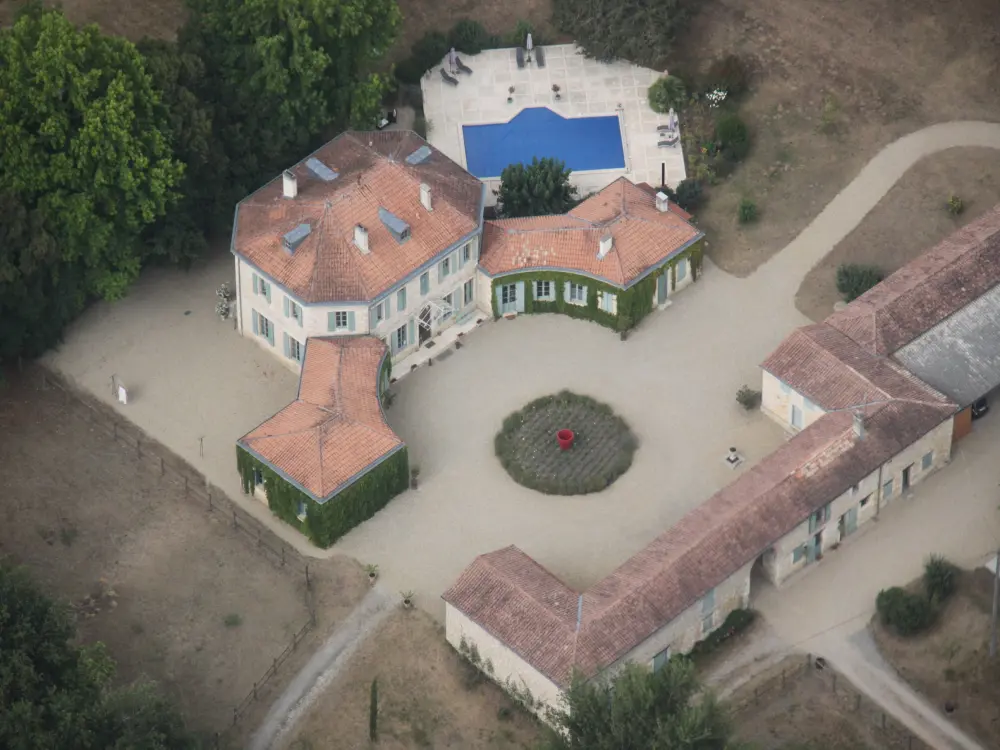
634	304
326	522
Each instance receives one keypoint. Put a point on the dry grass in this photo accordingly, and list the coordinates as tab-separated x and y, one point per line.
949	663
132	19
429	697
173	590
834	83
909	220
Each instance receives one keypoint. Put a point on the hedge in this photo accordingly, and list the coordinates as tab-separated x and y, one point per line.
905	612
634	303
326	522
736	622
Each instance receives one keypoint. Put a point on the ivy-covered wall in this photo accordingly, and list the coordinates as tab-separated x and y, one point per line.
634	304
325	523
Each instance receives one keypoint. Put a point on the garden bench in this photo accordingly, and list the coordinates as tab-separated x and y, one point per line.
462	67
448	79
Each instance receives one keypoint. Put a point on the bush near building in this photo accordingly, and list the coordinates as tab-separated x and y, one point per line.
854	279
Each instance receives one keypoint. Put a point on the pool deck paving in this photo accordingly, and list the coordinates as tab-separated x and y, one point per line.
587	88
197	386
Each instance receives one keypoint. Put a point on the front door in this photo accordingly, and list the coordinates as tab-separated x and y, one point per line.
425	325
661	288
906	477
848	522
508	298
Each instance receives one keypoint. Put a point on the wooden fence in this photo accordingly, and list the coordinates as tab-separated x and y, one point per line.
886	727
161	460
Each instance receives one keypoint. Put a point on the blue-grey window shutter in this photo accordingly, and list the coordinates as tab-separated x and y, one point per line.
285	300
411	333
301	316
253	314
499	292
425	283
461	257
440	271
284	343
388	307
331	321
584	300
401	299
372	320
520	296
566	291
256	284
270	334
350	320
267	291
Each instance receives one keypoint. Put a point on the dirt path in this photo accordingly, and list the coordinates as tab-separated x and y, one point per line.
323	667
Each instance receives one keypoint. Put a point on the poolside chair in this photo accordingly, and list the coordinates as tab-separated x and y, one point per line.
448	79
668	140
665	128
519	53
540	57
462	67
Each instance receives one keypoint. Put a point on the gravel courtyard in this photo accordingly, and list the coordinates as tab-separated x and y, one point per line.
674	381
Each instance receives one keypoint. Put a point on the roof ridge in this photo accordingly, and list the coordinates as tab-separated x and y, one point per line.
510	579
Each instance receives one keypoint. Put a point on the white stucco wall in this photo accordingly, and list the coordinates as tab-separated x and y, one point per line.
315	318
506	664
777	400
869	497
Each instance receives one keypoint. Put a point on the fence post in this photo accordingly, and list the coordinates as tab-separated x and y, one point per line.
857	703
138	446
276	665
235	523
883	721
255	691
282	555
308	582
835	683
163	469
235	716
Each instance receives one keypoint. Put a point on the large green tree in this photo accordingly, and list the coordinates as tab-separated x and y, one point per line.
639	708
57	696
83	140
639	31
537	189
283	72
85	165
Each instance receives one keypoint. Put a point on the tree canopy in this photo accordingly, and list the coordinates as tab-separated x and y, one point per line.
85	165
282	72
639	31
57	696
639	708
537	189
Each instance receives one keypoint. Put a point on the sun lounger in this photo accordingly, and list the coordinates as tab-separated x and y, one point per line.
667	128
540	57
520	57
448	79
668	139
462	67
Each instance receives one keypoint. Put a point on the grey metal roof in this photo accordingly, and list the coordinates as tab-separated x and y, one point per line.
960	356
294	238
320	169
418	156
399	228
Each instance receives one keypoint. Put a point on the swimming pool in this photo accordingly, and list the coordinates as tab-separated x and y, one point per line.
584	143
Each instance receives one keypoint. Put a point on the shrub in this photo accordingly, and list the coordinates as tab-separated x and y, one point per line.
688	195
731	73
747	211
736	621
420	126
940	578
903	611
733	137
955	205
854	279
468	36
666	93
427	52
519	35
747	397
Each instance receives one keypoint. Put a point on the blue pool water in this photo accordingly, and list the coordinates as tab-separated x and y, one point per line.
584	143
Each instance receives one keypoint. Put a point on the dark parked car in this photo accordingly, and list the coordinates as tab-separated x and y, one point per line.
980	407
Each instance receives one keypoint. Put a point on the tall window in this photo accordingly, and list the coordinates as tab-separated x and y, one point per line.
508	294
468	290
444	268
682	270
401	299
380	312
543	290
293	310
449	301
466	253
401	337
425	283
340	319
577	294
294	349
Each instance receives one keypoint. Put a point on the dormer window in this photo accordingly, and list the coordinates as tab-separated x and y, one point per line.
293	239
398	228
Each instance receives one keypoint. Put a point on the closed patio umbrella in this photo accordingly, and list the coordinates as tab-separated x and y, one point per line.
528	45
452	58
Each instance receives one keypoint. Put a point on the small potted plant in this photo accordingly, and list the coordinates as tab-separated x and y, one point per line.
372	570
224	306
510	95
555	90
414	475
407	599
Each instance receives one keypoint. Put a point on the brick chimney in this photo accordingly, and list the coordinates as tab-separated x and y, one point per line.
425	196
662	202
361	238
289	184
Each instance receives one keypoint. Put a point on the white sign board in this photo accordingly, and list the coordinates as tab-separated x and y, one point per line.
122	395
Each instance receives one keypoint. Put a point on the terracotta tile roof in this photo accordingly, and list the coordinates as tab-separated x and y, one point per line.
673	206
643	237
926	290
335	429
707	546
834	372
372	173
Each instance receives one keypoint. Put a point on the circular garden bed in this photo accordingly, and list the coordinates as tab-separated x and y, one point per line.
602	448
